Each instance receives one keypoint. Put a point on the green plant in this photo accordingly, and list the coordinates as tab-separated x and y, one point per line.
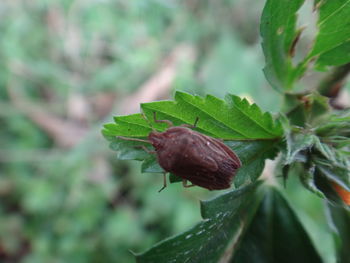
309	139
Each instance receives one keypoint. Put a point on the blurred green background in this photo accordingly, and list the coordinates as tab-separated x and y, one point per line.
66	68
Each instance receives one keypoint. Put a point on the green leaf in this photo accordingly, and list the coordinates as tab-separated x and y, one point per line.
327	151
324	185
332	163
295	110
224	220
340	220
276	235
319	106
297	143
303	110
322	163
279	33
337	56
307	178
174	179
278	30
150	165
134	125
233	119
337	174
333	24
337	124
129	150
253	156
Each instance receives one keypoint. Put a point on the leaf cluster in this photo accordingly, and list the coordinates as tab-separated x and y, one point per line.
311	139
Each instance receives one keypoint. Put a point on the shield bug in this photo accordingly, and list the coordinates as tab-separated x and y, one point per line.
203	160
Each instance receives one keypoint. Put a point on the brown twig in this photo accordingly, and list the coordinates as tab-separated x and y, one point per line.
160	83
65	133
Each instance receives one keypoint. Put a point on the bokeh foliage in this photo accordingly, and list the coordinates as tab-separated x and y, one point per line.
72	201
77	203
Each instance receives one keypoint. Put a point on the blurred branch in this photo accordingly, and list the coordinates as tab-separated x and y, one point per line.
32	155
64	132
160	83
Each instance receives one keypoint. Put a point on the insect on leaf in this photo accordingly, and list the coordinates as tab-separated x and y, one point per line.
234	119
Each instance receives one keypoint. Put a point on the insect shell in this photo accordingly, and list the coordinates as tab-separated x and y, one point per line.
200	159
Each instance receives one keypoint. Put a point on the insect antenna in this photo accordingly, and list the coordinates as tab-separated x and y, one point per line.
192	126
169	123
148	122
132	139
138	140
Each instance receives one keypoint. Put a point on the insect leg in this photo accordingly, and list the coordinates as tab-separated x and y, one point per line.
184	183
195	122
169	123
132	139
146	150
138	140
192	126
164	183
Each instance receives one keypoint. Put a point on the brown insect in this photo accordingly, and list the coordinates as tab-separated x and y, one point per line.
200	159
